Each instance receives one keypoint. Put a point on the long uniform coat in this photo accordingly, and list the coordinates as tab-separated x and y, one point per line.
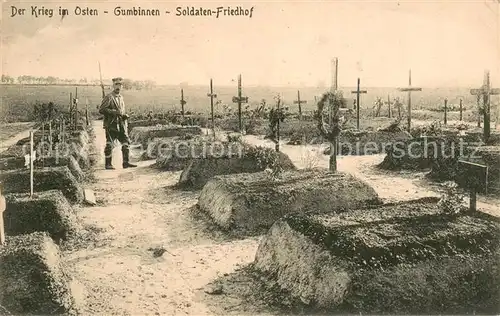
112	112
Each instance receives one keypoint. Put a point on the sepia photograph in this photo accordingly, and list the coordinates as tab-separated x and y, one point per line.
250	157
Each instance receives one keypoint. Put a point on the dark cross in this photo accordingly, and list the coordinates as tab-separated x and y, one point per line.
240	100
461	109
299	102
212	95
409	89
183	102
486	91
75	122
389	104
3	206
70	107
474	177
478	101
87	121
445	111
357	102
277	145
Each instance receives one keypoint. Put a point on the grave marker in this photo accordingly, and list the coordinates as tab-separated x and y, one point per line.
31	163
358	104
212	96
3	206
409	89
485	92
75	113
461	110
183	102
475	179
389	104
240	100
299	102
445	111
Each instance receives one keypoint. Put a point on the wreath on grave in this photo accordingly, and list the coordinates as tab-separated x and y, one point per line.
338	122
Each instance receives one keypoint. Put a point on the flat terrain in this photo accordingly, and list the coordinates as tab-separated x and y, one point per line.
139	211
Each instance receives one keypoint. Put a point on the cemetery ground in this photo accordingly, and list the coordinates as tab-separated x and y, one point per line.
151	254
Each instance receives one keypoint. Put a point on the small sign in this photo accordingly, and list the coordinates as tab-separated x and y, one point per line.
472	176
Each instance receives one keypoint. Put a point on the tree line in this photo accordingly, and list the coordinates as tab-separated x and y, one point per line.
128	84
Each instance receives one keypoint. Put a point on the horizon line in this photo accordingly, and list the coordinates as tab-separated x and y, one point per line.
183	85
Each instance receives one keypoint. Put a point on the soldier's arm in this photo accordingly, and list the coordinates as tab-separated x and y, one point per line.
105	107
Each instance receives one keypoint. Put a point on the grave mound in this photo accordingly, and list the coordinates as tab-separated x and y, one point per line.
177	155
13	163
405	258
47	211
33	277
158	148
15	151
143	134
422	153
252	202
248	160
45	179
368	142
145	123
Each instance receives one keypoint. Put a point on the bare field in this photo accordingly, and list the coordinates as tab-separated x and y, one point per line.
17	100
9	130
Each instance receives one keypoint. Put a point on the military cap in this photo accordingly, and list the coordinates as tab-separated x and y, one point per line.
117	80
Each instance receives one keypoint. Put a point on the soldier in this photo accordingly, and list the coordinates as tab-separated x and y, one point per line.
115	124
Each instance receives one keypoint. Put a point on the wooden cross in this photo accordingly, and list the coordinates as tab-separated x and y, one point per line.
409	89
486	91
389	104
212	95
334	86
31	163
240	100
445	111
183	102
3	206
461	109
277	145
75	122
357	102
299	102
70	107
87	121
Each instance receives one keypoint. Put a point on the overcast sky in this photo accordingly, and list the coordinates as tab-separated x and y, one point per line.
445	43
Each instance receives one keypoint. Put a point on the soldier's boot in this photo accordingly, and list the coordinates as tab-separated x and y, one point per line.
107	155
126	156
108	164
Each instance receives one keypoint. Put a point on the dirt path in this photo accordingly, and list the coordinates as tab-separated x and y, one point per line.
141	211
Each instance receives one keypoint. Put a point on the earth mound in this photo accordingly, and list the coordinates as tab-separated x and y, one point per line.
368	142
47	211
249	159
176	155
143	134
404	258
33	277
45	179
252	202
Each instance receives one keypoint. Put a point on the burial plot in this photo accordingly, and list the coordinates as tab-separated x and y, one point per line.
143	135
47	211
159	147
45	179
13	163
145	123
247	160
404	258
176	155
368	142
252	202
32	277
